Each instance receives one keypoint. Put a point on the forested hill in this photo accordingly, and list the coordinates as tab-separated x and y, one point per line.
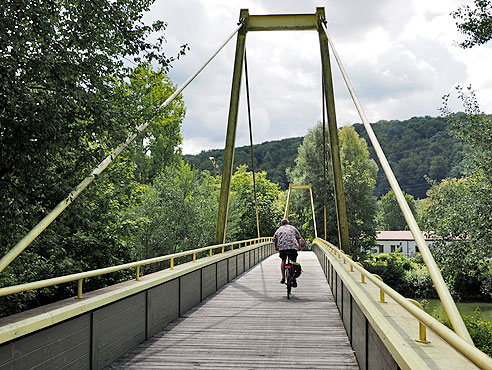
416	148
272	156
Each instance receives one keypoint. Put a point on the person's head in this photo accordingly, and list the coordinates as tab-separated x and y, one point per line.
284	222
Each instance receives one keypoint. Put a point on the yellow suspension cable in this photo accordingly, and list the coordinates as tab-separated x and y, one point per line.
50	217
434	272
251	142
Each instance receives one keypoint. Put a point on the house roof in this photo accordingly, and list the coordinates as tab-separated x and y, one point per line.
399	235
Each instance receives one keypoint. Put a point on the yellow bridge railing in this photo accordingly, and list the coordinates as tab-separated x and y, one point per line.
459	344
84	275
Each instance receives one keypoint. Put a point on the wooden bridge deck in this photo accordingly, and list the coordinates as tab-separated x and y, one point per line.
250	324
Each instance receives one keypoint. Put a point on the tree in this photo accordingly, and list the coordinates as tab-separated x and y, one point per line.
475	23
177	212
390	216
63	108
458	210
431	153
241	223
359	180
87	236
359	174
158	146
458	213
59	62
308	169
273	157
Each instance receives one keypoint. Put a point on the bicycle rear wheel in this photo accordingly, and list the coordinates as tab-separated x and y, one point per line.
288	278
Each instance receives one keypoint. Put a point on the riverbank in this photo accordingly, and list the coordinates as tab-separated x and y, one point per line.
480	310
476	315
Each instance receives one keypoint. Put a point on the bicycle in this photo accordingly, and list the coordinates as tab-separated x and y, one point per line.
289	276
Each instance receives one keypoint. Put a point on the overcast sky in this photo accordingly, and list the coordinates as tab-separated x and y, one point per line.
400	55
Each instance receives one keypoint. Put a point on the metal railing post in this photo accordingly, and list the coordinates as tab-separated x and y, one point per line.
381	291
79	288
422	327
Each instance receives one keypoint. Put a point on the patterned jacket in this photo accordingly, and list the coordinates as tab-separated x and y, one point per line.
286	237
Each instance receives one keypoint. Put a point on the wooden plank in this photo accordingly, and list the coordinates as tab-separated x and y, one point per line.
209	280
163	305
359	335
347	312
240	264
249	323
189	290
232	265
377	355
71	339
120	327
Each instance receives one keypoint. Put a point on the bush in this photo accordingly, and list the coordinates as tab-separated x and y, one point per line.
480	332
407	276
419	282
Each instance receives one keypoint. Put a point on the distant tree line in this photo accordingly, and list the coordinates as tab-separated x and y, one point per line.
273	157
418	149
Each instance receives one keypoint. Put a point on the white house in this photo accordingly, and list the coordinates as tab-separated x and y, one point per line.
391	241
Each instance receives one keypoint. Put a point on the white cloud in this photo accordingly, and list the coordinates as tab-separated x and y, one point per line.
400	56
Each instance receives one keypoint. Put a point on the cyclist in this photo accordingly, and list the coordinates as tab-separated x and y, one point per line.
287	242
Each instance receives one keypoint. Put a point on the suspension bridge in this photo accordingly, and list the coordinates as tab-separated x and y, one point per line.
221	306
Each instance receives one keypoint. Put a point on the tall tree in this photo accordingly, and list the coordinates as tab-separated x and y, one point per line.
59	61
458	213
177	212
241	223
459	210
359	174
390	216
60	114
63	109
158	146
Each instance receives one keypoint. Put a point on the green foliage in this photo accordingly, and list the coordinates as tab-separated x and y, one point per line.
241	223
418	148
407	276
359	179
59	61
178	212
273	157
309	170
158	146
475	22
473	127
463	250
86	236
390	216
67	100
391	267
480	332
458	210
359	173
